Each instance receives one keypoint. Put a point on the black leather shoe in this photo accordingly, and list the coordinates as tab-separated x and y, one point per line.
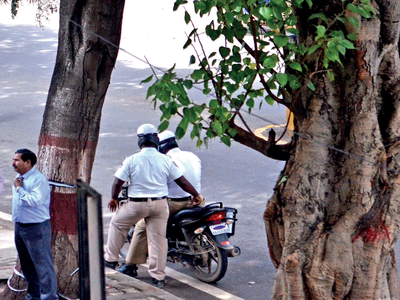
130	270
110	264
158	283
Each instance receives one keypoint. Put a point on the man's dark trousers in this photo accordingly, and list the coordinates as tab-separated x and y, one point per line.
33	243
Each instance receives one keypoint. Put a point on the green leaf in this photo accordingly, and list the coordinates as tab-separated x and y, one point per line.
163	126
190	114
199	143
347	44
313	48
192	60
369	8
178	3
352	36
294	82
226	140
341	49
318	16
217	127
331	76
353	21
282	78
291	21
197	74
179	133
187	44
224	51
213	34
183	99
269	100
280	3
250	102
277	13
187	17
303	49
231	132
311	86
296	66
297	3
214	103
271	61
353	8
283	179
326	62
332	55
182	127
365	13
281	40
266	12
188	84
320	31
148	79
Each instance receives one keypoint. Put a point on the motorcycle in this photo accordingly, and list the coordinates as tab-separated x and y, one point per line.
199	237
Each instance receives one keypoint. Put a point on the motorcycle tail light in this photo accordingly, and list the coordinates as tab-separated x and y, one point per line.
216	217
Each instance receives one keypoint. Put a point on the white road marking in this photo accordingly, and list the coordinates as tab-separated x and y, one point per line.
197	284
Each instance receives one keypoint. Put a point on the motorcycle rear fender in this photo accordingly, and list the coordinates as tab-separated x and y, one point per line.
222	241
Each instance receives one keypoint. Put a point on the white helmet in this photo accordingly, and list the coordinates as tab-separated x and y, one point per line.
147	133
167	141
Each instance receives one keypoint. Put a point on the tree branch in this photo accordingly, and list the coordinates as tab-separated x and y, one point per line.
267	147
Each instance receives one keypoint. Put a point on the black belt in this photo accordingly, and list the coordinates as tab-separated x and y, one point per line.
26	224
145	199
181	199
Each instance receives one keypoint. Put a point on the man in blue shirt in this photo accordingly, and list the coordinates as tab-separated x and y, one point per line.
30	212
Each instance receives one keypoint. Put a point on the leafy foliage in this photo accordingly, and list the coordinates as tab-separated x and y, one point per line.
261	60
44	8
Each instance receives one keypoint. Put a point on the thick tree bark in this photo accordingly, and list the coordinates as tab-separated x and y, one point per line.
333	224
71	121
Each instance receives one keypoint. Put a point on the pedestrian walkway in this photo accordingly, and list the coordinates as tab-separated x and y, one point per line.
118	286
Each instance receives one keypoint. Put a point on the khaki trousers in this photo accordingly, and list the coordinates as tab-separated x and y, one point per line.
154	214
137	253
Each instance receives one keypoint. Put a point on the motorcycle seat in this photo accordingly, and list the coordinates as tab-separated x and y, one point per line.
194	212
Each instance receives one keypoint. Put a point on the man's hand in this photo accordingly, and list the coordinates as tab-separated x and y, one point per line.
113	204
198	200
18	182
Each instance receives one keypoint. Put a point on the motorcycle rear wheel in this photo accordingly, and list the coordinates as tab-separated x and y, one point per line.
214	260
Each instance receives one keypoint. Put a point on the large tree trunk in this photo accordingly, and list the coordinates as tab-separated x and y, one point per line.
333	224
71	121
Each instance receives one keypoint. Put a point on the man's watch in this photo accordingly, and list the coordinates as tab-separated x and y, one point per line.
17	188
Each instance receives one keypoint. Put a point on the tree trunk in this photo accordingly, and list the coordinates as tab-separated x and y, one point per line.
333	223
71	122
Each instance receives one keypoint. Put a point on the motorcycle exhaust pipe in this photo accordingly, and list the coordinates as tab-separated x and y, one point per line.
235	251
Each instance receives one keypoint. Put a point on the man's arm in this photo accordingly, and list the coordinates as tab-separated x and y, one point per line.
188	187
115	190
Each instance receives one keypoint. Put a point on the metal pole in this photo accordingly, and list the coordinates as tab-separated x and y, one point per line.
91	262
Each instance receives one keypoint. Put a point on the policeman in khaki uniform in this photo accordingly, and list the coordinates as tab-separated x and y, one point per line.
148	173
178	199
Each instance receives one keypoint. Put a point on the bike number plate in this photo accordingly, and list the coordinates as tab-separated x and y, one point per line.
219	229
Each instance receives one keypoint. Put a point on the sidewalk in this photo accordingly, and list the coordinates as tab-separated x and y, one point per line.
118	286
